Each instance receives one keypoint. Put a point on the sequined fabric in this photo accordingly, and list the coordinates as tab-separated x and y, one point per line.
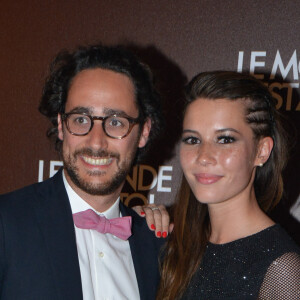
265	265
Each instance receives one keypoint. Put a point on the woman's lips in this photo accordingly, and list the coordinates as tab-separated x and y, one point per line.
205	178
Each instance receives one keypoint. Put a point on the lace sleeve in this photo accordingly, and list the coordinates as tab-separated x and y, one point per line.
282	280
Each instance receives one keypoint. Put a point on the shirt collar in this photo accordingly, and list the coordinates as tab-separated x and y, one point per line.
78	204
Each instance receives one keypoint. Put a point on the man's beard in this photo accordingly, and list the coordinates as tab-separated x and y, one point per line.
100	189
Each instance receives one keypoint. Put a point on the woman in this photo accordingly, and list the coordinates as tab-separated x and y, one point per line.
224	246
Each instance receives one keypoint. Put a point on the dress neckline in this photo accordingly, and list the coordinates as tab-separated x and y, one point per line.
248	237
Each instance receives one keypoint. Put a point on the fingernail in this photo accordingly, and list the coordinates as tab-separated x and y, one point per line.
152	226
164	234
158	233
142	213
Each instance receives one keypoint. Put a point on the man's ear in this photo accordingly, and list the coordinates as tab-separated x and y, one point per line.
60	127
145	133
264	149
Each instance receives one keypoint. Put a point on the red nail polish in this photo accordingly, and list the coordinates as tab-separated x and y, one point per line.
158	233
164	234
152	226
142	213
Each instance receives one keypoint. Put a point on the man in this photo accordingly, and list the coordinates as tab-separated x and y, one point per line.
104	110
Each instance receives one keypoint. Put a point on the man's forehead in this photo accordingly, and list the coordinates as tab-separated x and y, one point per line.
101	91
101	73
105	111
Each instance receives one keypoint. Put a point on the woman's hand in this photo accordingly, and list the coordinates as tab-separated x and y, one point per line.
157	218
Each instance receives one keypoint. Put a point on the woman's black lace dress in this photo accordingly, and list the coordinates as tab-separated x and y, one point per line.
265	265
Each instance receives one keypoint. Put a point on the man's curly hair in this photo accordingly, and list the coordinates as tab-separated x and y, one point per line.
67	65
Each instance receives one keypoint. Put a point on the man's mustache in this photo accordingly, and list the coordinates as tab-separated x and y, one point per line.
97	154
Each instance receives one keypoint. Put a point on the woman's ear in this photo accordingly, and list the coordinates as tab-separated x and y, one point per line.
145	133
60	127
264	149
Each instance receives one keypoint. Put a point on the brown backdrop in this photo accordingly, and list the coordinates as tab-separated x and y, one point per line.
178	39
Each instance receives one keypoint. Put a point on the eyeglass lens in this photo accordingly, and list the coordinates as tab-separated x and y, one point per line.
114	126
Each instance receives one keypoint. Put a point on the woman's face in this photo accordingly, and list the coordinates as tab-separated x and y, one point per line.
218	151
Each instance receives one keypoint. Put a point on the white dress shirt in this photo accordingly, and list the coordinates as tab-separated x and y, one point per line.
106	265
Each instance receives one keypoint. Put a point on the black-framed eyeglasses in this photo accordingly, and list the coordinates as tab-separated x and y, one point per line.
114	126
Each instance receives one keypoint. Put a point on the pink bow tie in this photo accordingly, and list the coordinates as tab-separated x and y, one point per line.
88	219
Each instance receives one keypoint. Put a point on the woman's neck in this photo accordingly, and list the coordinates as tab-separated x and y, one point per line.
236	218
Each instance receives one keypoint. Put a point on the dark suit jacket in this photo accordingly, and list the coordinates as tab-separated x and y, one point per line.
38	253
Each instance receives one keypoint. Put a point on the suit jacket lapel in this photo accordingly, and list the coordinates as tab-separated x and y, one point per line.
144	248
54	215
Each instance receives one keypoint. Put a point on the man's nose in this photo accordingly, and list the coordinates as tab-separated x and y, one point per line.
97	136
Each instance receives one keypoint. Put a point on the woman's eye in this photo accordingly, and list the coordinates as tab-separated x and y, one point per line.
226	139
191	140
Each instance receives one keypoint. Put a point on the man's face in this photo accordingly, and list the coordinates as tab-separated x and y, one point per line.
96	164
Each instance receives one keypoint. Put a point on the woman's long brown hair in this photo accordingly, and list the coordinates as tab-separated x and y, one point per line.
185	247
187	243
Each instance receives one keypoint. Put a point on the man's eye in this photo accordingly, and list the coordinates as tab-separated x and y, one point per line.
226	140
81	120
191	140
116	123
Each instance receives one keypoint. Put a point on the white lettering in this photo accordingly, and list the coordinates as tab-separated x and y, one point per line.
240	62
162	177
41	171
53	164
151	198
284	98
284	71
254	63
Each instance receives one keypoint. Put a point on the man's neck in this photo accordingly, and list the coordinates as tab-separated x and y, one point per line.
99	203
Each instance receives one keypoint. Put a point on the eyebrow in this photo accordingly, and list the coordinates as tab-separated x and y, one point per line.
228	129
81	109
218	131
118	112
189	131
